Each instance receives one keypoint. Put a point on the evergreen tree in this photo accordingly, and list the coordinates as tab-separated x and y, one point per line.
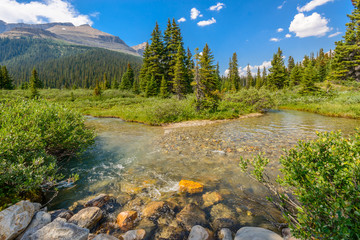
155	58
308	80
2	84
209	96
136	87
164	92
106	84
114	83
258	81
295	76
264	77
277	76
249	77
179	80
6	79
189	69
97	89
291	64
34	93
151	88
234	73
128	79
143	76
346	61
35	79
321	66
218	78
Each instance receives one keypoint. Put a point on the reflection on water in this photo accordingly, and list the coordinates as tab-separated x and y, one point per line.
150	161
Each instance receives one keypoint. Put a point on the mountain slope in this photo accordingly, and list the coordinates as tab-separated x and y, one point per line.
83	35
140	48
60	64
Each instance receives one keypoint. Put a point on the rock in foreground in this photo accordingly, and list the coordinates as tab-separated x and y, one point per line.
256	233
190	187
87	217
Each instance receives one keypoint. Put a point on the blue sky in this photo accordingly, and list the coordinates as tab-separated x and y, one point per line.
253	29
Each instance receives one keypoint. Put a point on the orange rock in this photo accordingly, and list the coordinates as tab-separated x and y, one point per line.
190	187
126	220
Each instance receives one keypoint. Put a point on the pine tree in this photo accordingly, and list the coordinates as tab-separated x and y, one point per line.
97	89
128	79
106	84
179	80
234	73
164	92
295	76
277	76
321	66
346	65
264	77
218	78
249	77
151	88
144	69
6	79
136	87
207	95
114	83
308	80
258	82
291	64
35	79
34	93
155	58
189	70
2	84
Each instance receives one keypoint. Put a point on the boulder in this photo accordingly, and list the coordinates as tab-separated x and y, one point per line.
15	219
87	217
61	213
256	233
155	209
134	235
190	187
199	233
39	220
171	233
190	216
211	198
126	220
60	229
98	201
222	217
104	237
225	234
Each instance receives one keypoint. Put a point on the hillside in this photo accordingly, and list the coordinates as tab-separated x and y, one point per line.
60	64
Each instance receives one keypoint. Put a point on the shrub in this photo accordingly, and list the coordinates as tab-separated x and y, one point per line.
324	177
34	135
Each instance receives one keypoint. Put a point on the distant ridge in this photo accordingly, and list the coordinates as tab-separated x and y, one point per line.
140	48
83	35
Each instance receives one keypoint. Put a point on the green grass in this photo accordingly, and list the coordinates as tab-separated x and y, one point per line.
153	111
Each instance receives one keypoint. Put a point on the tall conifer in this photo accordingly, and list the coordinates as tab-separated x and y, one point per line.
277	76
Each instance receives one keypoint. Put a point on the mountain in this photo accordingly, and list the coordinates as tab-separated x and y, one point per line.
140	48
83	35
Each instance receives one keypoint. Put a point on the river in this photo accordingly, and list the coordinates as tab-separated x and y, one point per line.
148	162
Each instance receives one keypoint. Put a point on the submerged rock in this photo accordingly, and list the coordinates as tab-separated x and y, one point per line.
39	220
190	186
155	209
126	220
222	217
171	233
14	219
190	216
211	198
60	229
199	233
104	237
61	213
148	226
255	233
225	234
87	217
134	235
98	201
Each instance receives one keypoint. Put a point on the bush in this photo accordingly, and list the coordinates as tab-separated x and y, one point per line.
34	135
324	177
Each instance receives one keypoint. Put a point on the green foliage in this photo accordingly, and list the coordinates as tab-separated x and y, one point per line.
308	80
34	82
33	136
164	93
127	79
277	76
151	88
324	176
234	77
97	89
179	77
6	81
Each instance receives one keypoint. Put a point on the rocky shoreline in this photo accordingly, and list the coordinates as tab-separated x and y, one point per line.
107	218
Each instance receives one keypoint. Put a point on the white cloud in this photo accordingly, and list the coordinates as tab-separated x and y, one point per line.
207	22
282	5
36	12
334	34
274	39
280	30
288	35
217	7
312	5
194	13
182	20
308	26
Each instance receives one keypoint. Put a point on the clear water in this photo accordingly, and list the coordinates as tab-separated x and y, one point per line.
150	161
